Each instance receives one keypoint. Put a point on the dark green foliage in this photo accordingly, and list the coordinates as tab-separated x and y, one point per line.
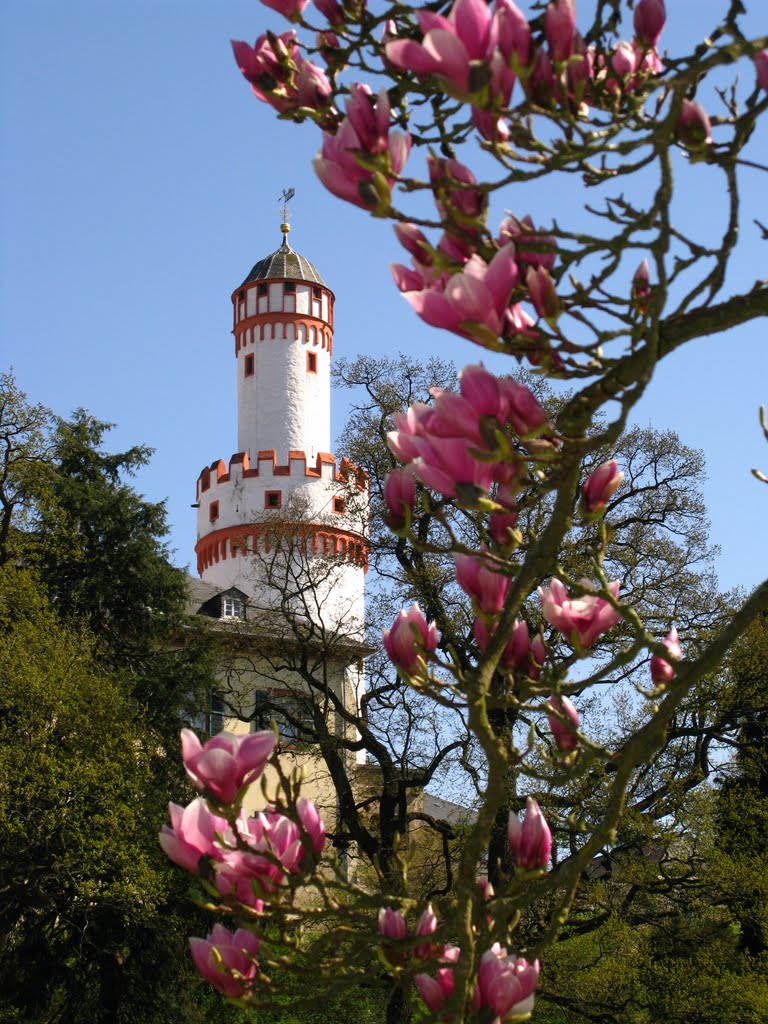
97	672
89	925
97	544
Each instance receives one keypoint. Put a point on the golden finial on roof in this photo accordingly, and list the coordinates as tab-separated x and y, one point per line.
285	197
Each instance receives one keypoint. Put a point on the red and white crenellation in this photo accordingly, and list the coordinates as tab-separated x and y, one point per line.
283	470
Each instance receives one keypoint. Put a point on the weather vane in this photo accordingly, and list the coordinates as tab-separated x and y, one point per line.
285	197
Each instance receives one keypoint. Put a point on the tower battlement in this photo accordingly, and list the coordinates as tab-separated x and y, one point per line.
267	468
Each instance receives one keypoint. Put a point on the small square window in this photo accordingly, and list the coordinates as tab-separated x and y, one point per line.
316	293
249	365
290	286
262	290
213	511
311	362
232	608
241	294
273	499
339	505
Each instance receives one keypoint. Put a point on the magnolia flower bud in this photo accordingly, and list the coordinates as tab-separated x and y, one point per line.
649	21
410	641
600	487
331	10
541	290
530	839
761	67
662	672
487	587
391	924
559	25
399	497
693	129
427	925
641	286
564	732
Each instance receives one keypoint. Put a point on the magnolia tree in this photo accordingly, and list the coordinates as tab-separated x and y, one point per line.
495	98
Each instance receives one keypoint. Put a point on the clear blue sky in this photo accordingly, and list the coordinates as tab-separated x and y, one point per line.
140	181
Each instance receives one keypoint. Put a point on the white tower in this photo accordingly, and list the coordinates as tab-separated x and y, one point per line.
283	482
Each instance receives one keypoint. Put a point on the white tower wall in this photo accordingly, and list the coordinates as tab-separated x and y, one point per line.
283	483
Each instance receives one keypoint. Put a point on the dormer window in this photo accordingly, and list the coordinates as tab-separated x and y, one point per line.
232	608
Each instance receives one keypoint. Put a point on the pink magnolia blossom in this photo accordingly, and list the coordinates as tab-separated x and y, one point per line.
280	76
581	620
245	889
501	524
411	641
331	10
600	487
426	926
365	131
227	960
290	9
448	46
435	991
329	45
525	412
564	732
399	497
273	848
761	68
474	299
415	241
541	290
490	125
514	34
192	835
521	653
622	65
441	463
580	70
530	840
648	21
226	762
693	127
391	924
559	26
485	585
543	83
662	671
309	816
648	63
446	465
443	444
506	984
532	248
457	199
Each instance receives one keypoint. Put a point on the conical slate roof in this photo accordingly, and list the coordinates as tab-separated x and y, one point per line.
284	262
